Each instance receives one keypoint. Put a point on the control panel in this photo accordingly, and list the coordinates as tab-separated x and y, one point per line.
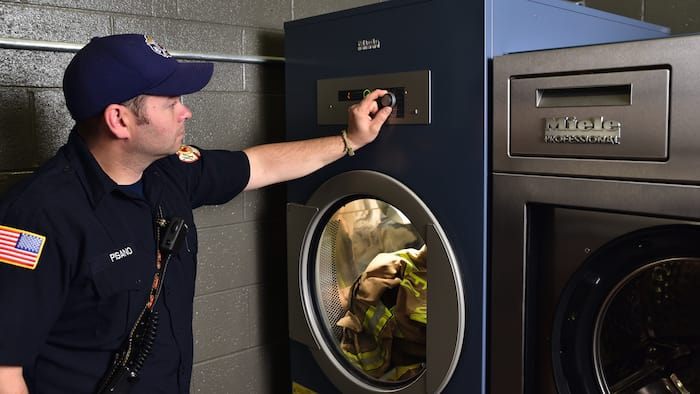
409	95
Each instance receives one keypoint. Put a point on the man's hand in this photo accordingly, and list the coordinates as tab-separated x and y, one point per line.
365	119
12	381
283	161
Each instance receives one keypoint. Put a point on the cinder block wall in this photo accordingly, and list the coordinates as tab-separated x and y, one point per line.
240	328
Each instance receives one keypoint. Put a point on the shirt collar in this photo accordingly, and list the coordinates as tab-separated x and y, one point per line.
95	181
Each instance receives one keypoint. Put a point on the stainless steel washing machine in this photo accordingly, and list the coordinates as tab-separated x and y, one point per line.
595	251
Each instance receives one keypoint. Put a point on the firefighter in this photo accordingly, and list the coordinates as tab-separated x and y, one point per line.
78	239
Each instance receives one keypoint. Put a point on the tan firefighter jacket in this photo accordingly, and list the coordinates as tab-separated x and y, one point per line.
384	327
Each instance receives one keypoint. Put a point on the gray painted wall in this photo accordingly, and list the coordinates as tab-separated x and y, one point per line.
240	329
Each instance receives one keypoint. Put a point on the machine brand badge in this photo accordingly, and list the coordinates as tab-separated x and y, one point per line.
188	154
366	45
571	130
156	47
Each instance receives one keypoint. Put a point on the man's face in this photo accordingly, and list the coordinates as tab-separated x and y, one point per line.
164	128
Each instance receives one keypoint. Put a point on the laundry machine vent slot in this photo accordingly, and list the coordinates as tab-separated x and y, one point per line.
585	96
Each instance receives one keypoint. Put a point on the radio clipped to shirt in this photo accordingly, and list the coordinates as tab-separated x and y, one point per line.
129	359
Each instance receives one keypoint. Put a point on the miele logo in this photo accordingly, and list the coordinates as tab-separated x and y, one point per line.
568	129
366	45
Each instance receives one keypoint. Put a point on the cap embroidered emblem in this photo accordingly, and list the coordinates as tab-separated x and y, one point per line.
188	154
157	48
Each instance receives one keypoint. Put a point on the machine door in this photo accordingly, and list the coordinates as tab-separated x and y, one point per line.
629	320
362	254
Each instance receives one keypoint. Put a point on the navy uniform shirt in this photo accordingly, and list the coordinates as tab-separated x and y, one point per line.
89	255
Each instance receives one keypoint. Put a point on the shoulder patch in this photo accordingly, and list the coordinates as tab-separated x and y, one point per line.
188	154
20	248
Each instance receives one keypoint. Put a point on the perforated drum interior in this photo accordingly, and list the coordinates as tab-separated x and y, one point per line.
648	333
372	289
328	279
627	321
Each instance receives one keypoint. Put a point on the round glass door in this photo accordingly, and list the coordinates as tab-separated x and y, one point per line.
373	289
628	321
647	338
358	254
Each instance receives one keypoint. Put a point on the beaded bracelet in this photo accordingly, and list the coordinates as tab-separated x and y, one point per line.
346	141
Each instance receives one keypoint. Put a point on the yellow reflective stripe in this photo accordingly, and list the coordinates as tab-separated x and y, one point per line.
420	314
299	389
398	372
354	360
407	284
375	319
411	279
366	361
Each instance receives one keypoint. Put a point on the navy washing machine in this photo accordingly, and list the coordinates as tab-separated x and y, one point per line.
596	220
362	232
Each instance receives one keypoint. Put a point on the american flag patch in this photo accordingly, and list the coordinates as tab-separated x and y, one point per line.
20	248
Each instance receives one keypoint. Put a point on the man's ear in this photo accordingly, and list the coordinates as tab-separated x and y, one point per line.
117	118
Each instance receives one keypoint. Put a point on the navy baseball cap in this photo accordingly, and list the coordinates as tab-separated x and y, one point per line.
113	69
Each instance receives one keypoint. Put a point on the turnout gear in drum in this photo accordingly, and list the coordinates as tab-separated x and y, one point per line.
375	289
384	327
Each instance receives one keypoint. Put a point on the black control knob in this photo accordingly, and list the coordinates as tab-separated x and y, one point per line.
387	100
